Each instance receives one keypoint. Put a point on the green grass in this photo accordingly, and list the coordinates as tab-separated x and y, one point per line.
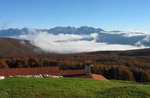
70	88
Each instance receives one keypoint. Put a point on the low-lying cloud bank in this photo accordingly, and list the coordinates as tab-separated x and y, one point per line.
71	43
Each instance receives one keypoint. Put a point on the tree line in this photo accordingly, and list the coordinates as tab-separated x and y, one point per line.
130	68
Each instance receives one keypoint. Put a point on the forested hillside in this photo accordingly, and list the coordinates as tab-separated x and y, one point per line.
112	66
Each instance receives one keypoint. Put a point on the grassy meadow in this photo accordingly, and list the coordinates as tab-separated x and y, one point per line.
71	88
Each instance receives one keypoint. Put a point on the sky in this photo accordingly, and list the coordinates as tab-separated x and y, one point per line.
126	15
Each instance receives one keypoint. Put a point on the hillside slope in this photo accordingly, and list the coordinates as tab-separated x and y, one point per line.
12	47
71	88
136	52
140	52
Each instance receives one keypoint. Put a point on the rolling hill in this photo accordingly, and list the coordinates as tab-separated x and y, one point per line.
13	47
71	88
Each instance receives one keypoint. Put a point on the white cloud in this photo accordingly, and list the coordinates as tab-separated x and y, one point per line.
128	33
71	43
146	39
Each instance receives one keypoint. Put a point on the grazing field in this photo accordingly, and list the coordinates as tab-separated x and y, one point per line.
71	88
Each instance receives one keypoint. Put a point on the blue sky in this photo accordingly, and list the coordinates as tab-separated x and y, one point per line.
106	14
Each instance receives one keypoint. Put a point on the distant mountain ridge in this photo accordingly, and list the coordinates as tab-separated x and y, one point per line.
109	37
55	30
